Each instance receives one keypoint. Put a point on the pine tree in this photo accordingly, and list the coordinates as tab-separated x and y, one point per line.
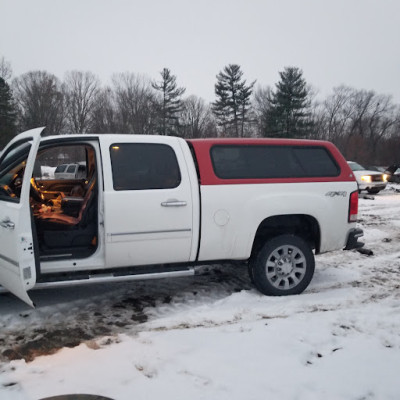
289	111
8	114
170	104
233	101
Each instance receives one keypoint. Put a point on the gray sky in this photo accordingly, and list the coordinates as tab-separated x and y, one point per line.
351	42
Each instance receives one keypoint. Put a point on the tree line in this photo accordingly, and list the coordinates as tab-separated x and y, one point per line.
364	125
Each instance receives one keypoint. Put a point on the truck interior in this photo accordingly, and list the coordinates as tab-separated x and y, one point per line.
64	211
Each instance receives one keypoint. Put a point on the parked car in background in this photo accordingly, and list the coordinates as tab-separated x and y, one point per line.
375	168
393	173
371	181
70	171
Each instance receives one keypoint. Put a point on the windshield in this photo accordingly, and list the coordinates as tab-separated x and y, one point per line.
15	154
355	166
10	175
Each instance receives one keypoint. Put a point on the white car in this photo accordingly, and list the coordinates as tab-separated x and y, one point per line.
371	181
70	171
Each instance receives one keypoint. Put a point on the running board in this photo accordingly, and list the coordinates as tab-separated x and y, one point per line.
107	278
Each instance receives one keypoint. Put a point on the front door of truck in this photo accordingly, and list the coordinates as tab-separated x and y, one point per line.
17	258
148	202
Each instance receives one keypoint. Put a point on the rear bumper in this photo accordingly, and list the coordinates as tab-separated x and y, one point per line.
372	186
352	239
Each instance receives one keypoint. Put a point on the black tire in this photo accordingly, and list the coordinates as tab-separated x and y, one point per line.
373	191
290	266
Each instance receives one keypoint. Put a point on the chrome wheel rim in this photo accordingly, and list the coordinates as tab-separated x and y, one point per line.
286	267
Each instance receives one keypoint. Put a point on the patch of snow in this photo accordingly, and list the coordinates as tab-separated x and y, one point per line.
47	172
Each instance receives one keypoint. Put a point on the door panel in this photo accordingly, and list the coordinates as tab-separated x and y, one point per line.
17	259
17	263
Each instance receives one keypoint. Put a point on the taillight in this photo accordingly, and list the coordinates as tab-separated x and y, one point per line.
353	207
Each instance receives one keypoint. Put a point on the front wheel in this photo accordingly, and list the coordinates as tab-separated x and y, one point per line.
284	266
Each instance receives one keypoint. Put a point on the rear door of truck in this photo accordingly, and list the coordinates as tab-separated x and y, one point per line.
148	201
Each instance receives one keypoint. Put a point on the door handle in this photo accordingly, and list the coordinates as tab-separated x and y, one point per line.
6	223
174	203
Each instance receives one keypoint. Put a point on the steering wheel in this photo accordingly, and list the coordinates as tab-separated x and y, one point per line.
35	191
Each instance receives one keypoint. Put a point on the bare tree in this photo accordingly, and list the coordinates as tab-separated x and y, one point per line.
135	103
80	90
361	102
389	148
359	122
196	119
381	118
104	115
335	113
40	101
261	106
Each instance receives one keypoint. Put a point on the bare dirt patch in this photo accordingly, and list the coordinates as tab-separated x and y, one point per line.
90	319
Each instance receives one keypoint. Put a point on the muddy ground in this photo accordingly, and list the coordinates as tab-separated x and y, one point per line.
85	314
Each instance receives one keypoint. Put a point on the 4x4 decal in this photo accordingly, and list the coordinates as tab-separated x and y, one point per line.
334	194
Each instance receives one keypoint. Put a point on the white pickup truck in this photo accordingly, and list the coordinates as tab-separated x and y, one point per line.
153	206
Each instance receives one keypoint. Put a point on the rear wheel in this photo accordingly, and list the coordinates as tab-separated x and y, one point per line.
284	266
373	191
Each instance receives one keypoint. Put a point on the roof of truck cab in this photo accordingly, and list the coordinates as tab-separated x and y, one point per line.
100	135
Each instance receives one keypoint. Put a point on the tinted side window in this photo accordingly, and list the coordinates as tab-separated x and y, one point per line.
263	162
316	161
61	168
140	166
71	168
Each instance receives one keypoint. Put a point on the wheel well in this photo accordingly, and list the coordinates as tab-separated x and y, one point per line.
300	225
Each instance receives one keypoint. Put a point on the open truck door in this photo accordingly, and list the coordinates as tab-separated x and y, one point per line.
17	253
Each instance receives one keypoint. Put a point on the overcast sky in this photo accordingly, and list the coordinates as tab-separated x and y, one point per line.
351	42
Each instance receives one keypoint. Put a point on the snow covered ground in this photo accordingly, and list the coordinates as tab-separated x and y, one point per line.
214	337
47	172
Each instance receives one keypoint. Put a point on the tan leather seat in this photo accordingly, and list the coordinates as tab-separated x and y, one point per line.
58	217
